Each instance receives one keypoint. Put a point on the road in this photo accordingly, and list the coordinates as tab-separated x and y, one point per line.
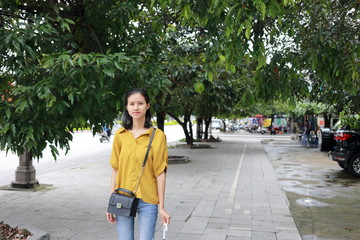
324	199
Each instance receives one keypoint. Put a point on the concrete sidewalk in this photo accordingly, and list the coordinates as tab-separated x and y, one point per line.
227	192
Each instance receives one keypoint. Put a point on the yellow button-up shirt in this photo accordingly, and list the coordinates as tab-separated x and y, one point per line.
127	157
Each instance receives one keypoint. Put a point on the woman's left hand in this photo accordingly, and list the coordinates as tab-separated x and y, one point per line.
165	216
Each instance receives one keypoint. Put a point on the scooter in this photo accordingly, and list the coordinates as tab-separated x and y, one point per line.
104	136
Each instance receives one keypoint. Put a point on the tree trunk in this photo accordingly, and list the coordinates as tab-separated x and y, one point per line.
191	131
25	172
186	132
199	129
207	124
189	140
327	118
160	120
224	123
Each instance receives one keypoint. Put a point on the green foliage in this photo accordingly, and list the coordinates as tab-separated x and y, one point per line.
327	49
349	118
67	64
312	108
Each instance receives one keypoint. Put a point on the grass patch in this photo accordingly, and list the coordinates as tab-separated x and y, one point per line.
171	123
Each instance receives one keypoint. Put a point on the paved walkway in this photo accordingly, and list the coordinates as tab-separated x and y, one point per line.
228	192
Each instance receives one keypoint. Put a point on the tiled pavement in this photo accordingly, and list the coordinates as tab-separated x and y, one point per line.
228	192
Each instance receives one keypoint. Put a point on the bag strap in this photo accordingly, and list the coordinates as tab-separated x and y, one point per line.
148	148
125	191
145	159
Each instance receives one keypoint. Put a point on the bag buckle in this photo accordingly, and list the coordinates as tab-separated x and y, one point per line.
119	205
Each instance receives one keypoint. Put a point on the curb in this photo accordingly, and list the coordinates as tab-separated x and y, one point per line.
178	159
37	234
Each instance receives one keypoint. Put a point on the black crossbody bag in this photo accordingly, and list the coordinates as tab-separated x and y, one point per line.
126	205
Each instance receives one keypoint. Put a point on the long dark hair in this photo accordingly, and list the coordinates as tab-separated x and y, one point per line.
127	119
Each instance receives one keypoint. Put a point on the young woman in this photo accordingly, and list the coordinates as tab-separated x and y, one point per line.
129	148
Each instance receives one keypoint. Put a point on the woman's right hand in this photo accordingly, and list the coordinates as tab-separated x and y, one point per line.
110	217
165	216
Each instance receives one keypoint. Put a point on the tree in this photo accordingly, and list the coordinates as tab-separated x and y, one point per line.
70	62
326	49
66	65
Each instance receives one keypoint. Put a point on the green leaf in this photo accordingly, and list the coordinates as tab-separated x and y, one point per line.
21	106
203	57
5	128
71	98
65	26
56	9
68	58
247	33
262	61
199	87
8	113
241	28
16	45
186	12
248	29
8	38
54	151
118	66
228	31
51	101
355	75
222	58
153	2
13	129
263	10
314	63
210	76
109	72
69	21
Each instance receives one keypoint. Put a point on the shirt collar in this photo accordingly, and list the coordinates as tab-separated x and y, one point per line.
148	132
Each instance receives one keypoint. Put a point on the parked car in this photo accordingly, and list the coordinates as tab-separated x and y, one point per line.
347	149
216	124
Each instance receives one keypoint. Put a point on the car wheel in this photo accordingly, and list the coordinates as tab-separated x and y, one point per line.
342	166
354	165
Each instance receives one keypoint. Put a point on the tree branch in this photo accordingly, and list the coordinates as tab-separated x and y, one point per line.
96	38
2	13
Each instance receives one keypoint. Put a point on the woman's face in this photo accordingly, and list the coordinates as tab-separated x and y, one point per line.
137	106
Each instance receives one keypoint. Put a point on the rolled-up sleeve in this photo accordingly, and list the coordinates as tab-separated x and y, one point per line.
115	154
160	160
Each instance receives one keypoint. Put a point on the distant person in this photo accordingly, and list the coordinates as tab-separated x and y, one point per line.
129	147
107	130
306	133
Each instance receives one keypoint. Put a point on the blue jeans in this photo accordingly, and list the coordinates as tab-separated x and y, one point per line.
147	215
